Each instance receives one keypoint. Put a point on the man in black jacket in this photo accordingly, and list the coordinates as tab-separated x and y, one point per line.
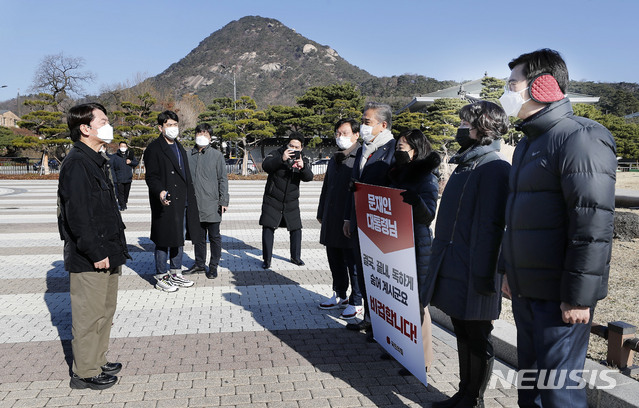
286	167
558	239
172	199
94	245
332	204
122	164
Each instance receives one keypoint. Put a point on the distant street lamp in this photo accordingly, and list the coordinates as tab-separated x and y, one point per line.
234	86
3	86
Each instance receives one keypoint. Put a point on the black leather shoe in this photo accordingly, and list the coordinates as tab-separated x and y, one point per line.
111	368
297	262
212	272
194	269
361	326
266	265
99	382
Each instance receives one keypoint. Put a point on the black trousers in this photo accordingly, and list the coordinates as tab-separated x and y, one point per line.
268	237
358	293
123	193
212	229
342	263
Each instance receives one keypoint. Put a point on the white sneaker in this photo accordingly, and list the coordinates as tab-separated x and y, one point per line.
333	302
179	280
351	312
164	284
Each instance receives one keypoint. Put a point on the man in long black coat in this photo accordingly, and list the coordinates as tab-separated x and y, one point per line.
172	196
286	167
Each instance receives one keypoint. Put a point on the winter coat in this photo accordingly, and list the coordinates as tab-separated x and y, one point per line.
88	218
280	205
335	193
560	209
122	172
420	177
375	172
468	235
163	173
208	172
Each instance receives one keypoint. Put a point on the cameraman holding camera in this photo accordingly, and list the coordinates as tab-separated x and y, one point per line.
286	167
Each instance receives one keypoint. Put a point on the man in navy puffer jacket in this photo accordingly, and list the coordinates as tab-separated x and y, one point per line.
558	238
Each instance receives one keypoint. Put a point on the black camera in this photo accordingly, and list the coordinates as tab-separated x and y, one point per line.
291	161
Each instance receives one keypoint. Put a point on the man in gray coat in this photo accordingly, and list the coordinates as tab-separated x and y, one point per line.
208	172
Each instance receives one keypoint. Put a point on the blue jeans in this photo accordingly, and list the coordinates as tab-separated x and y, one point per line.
161	256
545	342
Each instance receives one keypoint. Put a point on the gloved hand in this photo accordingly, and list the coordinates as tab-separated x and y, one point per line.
352	187
410	197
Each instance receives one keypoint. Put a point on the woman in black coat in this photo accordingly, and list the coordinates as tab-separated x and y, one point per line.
468	234
416	171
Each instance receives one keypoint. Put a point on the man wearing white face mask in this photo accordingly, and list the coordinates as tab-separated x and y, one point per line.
94	245
173	203
339	249
122	164
208	172
559	217
372	162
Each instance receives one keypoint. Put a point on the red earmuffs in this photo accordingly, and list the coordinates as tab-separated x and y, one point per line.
545	89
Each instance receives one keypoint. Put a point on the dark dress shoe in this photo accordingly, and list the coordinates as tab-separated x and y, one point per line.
266	265
297	262
111	368
99	382
194	269
361	326
212	272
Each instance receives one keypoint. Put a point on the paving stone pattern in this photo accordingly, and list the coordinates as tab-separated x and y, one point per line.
250	338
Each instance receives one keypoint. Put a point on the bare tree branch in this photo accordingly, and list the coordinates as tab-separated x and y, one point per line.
61	76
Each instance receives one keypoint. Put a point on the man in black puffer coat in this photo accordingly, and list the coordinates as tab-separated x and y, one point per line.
286	167
559	218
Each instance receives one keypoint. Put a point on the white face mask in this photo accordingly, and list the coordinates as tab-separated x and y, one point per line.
366	132
343	142
123	149
105	133
172	132
202	141
512	102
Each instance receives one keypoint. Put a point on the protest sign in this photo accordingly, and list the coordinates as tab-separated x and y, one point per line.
385	228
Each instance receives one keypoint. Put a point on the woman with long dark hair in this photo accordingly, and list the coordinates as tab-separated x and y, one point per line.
416	171
468	233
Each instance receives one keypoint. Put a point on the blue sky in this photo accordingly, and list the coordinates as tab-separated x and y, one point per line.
445	39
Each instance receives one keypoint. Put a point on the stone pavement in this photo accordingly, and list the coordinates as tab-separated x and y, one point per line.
249	338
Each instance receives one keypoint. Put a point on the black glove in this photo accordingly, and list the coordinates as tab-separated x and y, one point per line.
485	286
410	197
352	187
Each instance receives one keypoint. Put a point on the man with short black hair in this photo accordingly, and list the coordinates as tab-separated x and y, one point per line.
372	162
173	202
94	245
208	172
558	239
122	164
286	167
330	213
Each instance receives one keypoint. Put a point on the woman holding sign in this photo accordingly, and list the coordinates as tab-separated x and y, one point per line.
416	171
468	234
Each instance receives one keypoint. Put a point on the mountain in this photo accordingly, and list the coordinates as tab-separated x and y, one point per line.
274	65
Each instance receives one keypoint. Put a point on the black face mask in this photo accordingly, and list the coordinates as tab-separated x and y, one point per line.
401	157
463	138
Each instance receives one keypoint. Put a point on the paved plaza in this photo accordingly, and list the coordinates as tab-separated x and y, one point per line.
250	338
